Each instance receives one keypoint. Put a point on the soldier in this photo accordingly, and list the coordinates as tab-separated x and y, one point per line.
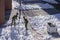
14	18
26	22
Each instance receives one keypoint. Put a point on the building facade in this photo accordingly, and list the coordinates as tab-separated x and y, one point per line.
2	11
4	4
8	4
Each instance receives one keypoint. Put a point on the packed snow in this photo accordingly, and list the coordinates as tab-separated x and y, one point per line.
38	23
37	6
40	20
15	4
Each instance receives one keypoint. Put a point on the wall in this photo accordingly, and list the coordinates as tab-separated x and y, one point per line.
8	4
2	11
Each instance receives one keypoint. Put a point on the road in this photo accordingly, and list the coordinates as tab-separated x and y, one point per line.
31	13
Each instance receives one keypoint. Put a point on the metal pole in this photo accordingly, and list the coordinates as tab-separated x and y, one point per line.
19	9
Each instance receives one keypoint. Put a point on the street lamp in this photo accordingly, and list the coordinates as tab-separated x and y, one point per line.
20	9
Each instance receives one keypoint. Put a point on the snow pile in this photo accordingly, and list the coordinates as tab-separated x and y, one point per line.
51	1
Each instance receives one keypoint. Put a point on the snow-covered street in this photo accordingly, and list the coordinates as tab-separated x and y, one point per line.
37	23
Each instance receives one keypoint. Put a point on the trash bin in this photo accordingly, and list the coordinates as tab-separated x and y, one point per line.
51	28
2	11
